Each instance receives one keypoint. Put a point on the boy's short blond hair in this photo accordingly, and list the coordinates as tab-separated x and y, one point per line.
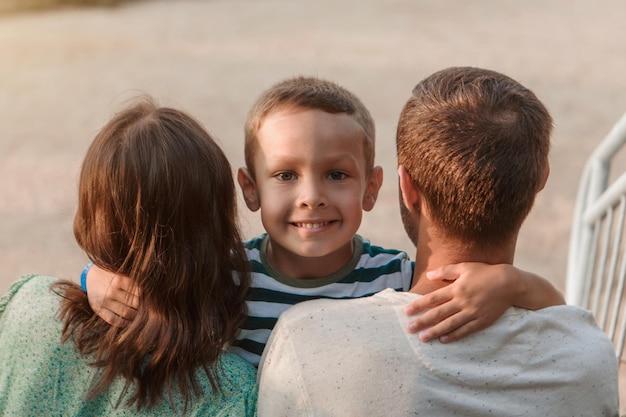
313	93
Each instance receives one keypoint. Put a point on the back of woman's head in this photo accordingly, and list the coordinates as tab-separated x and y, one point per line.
157	203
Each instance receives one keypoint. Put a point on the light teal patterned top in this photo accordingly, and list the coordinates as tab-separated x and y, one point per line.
40	376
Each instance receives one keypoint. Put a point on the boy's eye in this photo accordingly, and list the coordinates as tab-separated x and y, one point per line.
285	176
337	175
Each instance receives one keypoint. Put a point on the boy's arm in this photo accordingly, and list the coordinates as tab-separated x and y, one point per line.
478	297
109	296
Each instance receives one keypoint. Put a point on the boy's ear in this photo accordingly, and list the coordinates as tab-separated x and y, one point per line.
410	194
374	183
248	189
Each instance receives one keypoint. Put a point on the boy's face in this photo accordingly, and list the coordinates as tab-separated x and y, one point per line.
311	183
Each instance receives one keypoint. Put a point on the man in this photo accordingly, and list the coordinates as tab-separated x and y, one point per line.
473	153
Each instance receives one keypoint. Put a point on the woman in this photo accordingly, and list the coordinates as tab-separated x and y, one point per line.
156	203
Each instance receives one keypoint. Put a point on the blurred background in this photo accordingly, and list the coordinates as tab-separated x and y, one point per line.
64	70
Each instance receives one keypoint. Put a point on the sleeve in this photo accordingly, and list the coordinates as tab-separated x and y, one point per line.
281	388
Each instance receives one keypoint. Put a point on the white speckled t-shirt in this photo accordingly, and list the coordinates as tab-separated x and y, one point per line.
355	358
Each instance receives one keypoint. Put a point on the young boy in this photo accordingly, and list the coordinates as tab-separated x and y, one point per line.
309	152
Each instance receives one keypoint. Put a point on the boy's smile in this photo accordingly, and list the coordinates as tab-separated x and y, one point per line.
312	225
312	185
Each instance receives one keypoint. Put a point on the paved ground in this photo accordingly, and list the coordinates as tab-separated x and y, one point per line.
63	73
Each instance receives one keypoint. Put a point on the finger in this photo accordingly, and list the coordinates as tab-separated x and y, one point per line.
131	299
119	309
113	319
446	330
444	273
117	294
432	317
417	306
461	332
125	283
430	300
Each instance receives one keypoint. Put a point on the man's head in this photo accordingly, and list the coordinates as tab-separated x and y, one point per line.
475	145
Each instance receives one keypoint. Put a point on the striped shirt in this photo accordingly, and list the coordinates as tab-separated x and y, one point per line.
371	269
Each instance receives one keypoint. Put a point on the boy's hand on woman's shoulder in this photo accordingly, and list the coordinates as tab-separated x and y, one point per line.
110	298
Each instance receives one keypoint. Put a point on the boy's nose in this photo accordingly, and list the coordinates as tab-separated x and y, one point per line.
312	195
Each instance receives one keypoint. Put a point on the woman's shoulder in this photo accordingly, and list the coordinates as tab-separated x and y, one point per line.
31	285
238	390
237	369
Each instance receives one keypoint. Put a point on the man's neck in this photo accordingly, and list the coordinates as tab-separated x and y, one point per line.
435	255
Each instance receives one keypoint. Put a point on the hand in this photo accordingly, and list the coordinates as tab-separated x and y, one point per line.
477	297
109	297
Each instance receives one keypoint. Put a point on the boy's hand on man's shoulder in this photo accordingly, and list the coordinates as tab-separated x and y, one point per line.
472	302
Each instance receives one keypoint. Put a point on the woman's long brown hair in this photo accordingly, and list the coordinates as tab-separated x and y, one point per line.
157	203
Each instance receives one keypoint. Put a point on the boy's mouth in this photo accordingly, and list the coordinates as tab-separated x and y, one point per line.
317	225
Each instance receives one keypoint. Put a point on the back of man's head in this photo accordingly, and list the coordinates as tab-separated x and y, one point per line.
475	143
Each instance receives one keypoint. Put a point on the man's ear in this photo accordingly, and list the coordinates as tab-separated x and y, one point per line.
374	183
248	189
410	194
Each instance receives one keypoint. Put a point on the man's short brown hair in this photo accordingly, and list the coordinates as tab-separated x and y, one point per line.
475	143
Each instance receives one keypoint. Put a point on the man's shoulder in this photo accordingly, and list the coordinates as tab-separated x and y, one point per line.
571	330
318	307
566	315
572	318
324	307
